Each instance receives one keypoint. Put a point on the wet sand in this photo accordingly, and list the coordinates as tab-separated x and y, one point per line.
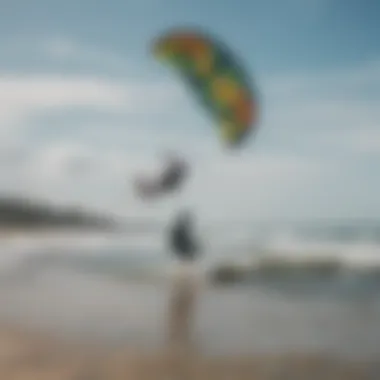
28	355
34	354
227	321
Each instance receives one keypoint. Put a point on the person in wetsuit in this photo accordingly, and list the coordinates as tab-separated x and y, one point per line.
182	307
181	239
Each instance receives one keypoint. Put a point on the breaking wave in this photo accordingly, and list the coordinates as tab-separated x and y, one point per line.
328	253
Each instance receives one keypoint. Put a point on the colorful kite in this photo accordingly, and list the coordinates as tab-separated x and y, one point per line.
216	78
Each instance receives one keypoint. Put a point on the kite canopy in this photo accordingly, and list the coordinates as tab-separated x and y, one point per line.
215	77
170	180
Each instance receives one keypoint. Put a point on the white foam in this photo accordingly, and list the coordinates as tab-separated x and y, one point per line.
284	245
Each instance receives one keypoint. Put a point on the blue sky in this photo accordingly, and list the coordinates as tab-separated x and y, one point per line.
84	106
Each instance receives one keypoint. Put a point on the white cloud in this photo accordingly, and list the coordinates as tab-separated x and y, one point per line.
324	82
312	107
317	117
219	186
22	97
68	50
63	162
258	185
58	49
362	141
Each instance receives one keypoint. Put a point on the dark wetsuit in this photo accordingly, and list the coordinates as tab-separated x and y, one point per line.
182	243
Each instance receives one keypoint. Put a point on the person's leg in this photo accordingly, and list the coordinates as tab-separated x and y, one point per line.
181	318
182	305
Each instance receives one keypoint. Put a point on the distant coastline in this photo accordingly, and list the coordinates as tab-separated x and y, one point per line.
17	214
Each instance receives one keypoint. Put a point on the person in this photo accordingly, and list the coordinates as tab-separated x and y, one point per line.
186	251
182	240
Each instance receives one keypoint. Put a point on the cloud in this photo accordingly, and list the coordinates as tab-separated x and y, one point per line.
319	109
318	116
23	97
65	49
327	82
57	50
64	161
36	92
258	185
220	186
25	94
365	140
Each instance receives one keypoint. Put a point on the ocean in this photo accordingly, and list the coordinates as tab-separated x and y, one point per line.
311	288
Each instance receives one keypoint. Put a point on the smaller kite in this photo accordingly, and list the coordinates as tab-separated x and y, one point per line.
171	179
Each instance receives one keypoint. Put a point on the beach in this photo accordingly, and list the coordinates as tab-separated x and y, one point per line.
97	308
28	355
119	331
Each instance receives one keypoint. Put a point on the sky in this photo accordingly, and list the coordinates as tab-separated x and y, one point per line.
85	108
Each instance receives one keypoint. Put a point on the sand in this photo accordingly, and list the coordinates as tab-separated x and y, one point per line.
31	355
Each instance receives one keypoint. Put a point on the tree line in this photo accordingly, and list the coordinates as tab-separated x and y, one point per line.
15	212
